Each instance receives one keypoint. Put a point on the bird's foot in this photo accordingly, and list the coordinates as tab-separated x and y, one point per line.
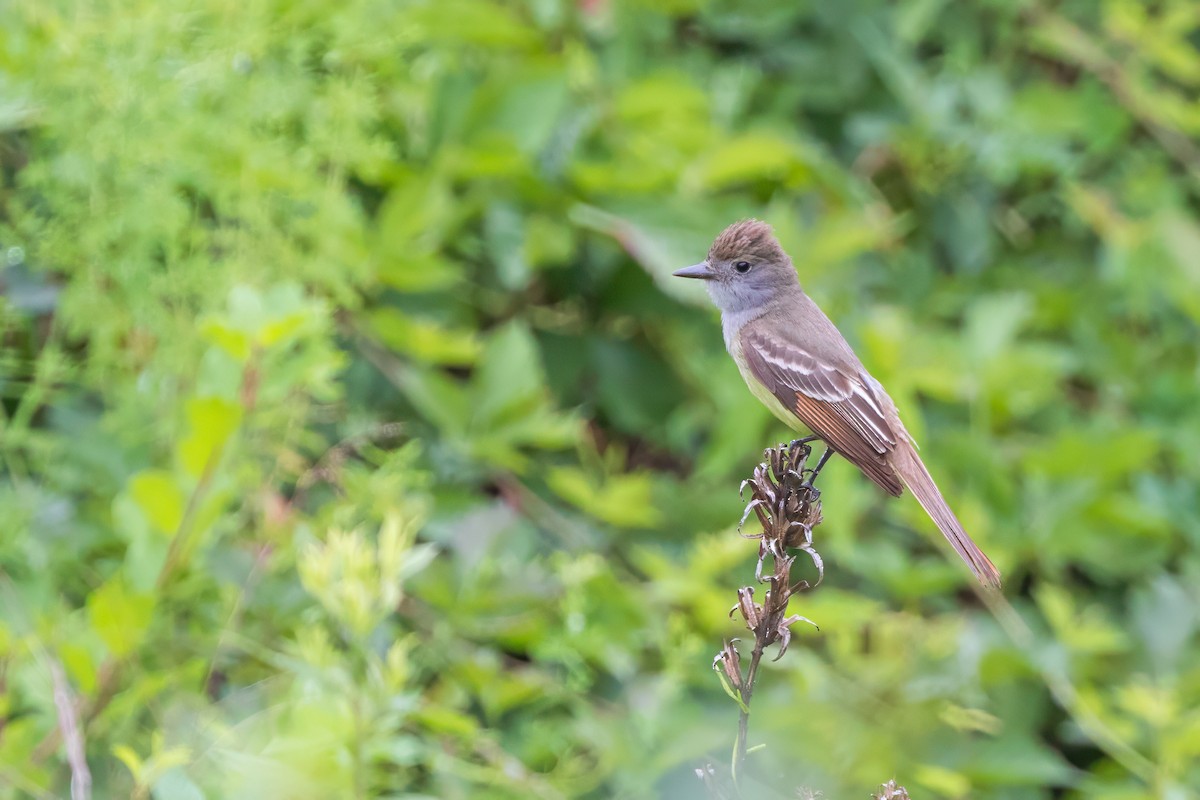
815	471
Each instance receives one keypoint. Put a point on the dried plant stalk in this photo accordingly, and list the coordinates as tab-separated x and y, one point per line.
890	791
787	507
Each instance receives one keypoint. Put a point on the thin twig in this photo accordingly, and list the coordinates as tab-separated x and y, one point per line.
72	736
106	689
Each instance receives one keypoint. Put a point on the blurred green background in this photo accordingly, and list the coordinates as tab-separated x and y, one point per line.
356	443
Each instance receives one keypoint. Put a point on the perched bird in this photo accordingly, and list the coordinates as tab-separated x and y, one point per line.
797	363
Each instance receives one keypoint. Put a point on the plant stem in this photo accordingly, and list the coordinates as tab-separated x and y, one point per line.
739	757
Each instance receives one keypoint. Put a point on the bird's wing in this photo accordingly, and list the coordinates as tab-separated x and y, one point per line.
839	406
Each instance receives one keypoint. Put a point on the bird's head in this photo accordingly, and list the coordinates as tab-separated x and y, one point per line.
745	267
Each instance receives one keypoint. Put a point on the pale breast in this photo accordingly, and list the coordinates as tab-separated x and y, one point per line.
764	395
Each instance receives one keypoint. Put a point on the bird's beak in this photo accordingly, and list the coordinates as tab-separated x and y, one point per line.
700	271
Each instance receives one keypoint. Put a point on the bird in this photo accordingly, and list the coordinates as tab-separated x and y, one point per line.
797	363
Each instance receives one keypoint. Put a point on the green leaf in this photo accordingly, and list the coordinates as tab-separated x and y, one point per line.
423	339
750	157
941	780
485	25
505	235
436	397
212	421
234	342
733	694
1088	452
118	616
509	382
622	500
414	218
444	720
159	498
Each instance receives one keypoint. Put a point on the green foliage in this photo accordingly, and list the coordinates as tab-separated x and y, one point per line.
355	441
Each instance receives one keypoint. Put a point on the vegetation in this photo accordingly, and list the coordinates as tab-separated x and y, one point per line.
355	441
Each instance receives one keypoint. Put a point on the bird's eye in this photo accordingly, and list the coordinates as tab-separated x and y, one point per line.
742	266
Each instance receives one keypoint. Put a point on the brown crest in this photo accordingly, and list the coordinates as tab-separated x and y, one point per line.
750	238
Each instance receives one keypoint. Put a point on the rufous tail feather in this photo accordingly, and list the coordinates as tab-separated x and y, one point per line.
918	480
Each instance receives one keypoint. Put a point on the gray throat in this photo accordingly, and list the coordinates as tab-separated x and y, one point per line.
732	322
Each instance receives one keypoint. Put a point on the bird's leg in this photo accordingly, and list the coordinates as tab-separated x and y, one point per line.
812	475
804	440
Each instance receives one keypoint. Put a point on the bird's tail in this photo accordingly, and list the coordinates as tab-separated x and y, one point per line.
912	471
